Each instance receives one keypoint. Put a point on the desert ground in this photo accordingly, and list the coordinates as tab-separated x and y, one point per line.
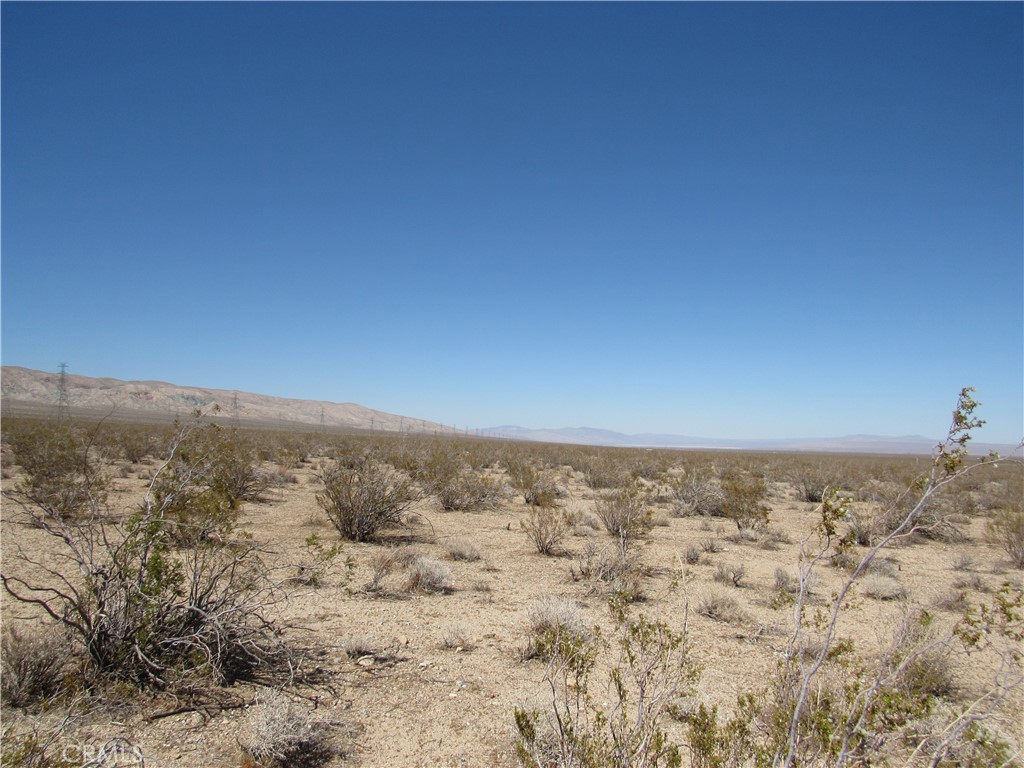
395	670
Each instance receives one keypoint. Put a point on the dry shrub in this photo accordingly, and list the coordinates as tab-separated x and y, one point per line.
427	575
468	491
279	732
882	587
696	492
538	486
626	513
731	573
359	645
462	548
362	499
32	666
547	528
745	501
720	606
556	625
1006	531
692	555
620	571
456	638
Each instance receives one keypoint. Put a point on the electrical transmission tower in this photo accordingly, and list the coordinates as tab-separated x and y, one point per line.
234	411
323	425
63	404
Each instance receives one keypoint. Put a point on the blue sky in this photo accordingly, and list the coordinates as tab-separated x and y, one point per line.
724	220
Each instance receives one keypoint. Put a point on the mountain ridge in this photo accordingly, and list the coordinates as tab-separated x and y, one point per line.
30	391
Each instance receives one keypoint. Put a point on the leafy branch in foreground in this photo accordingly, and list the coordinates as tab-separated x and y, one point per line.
827	708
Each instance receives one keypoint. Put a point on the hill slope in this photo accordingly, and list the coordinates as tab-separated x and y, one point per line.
29	391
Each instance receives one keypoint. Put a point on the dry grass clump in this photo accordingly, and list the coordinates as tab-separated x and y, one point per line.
720	606
462	548
692	555
456	638
882	587
711	546
556	626
32	666
427	575
359	645
279	732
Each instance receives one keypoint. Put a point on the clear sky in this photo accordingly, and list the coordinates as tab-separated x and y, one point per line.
722	220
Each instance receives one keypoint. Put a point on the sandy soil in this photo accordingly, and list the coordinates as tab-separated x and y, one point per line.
446	671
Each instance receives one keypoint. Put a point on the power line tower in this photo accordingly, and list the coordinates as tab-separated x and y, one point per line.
323	424
63	404
234	410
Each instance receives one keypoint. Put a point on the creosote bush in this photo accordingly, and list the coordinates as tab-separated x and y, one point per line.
1006	531
61	473
745	500
364	497
139	610
547	528
623	724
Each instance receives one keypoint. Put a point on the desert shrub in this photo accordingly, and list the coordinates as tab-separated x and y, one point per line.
146	614
359	645
620	572
626	513
538	486
653	667
547	528
744	501
731	573
784	581
602	472
469	491
427	575
318	563
201	487
462	548
692	555
32	666
720	606
556	625
279	732
824	706
61	476
1006	531
365	498
812	480
883	587
456	638
711	546
696	492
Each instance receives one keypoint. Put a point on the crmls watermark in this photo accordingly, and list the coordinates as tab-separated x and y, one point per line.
116	753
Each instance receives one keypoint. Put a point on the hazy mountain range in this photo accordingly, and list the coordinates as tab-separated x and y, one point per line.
27	391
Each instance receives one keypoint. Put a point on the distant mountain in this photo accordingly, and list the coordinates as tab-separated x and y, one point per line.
910	444
29	391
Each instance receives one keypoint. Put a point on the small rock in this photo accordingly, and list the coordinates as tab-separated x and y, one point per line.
365	661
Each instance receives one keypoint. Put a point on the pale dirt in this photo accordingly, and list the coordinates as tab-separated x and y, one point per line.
418	703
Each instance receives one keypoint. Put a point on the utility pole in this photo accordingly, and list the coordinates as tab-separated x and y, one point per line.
234	411
323	425
63	405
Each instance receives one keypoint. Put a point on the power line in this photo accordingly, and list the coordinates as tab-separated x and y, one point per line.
63	404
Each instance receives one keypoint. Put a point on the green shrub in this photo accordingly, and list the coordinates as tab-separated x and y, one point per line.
362	499
744	501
